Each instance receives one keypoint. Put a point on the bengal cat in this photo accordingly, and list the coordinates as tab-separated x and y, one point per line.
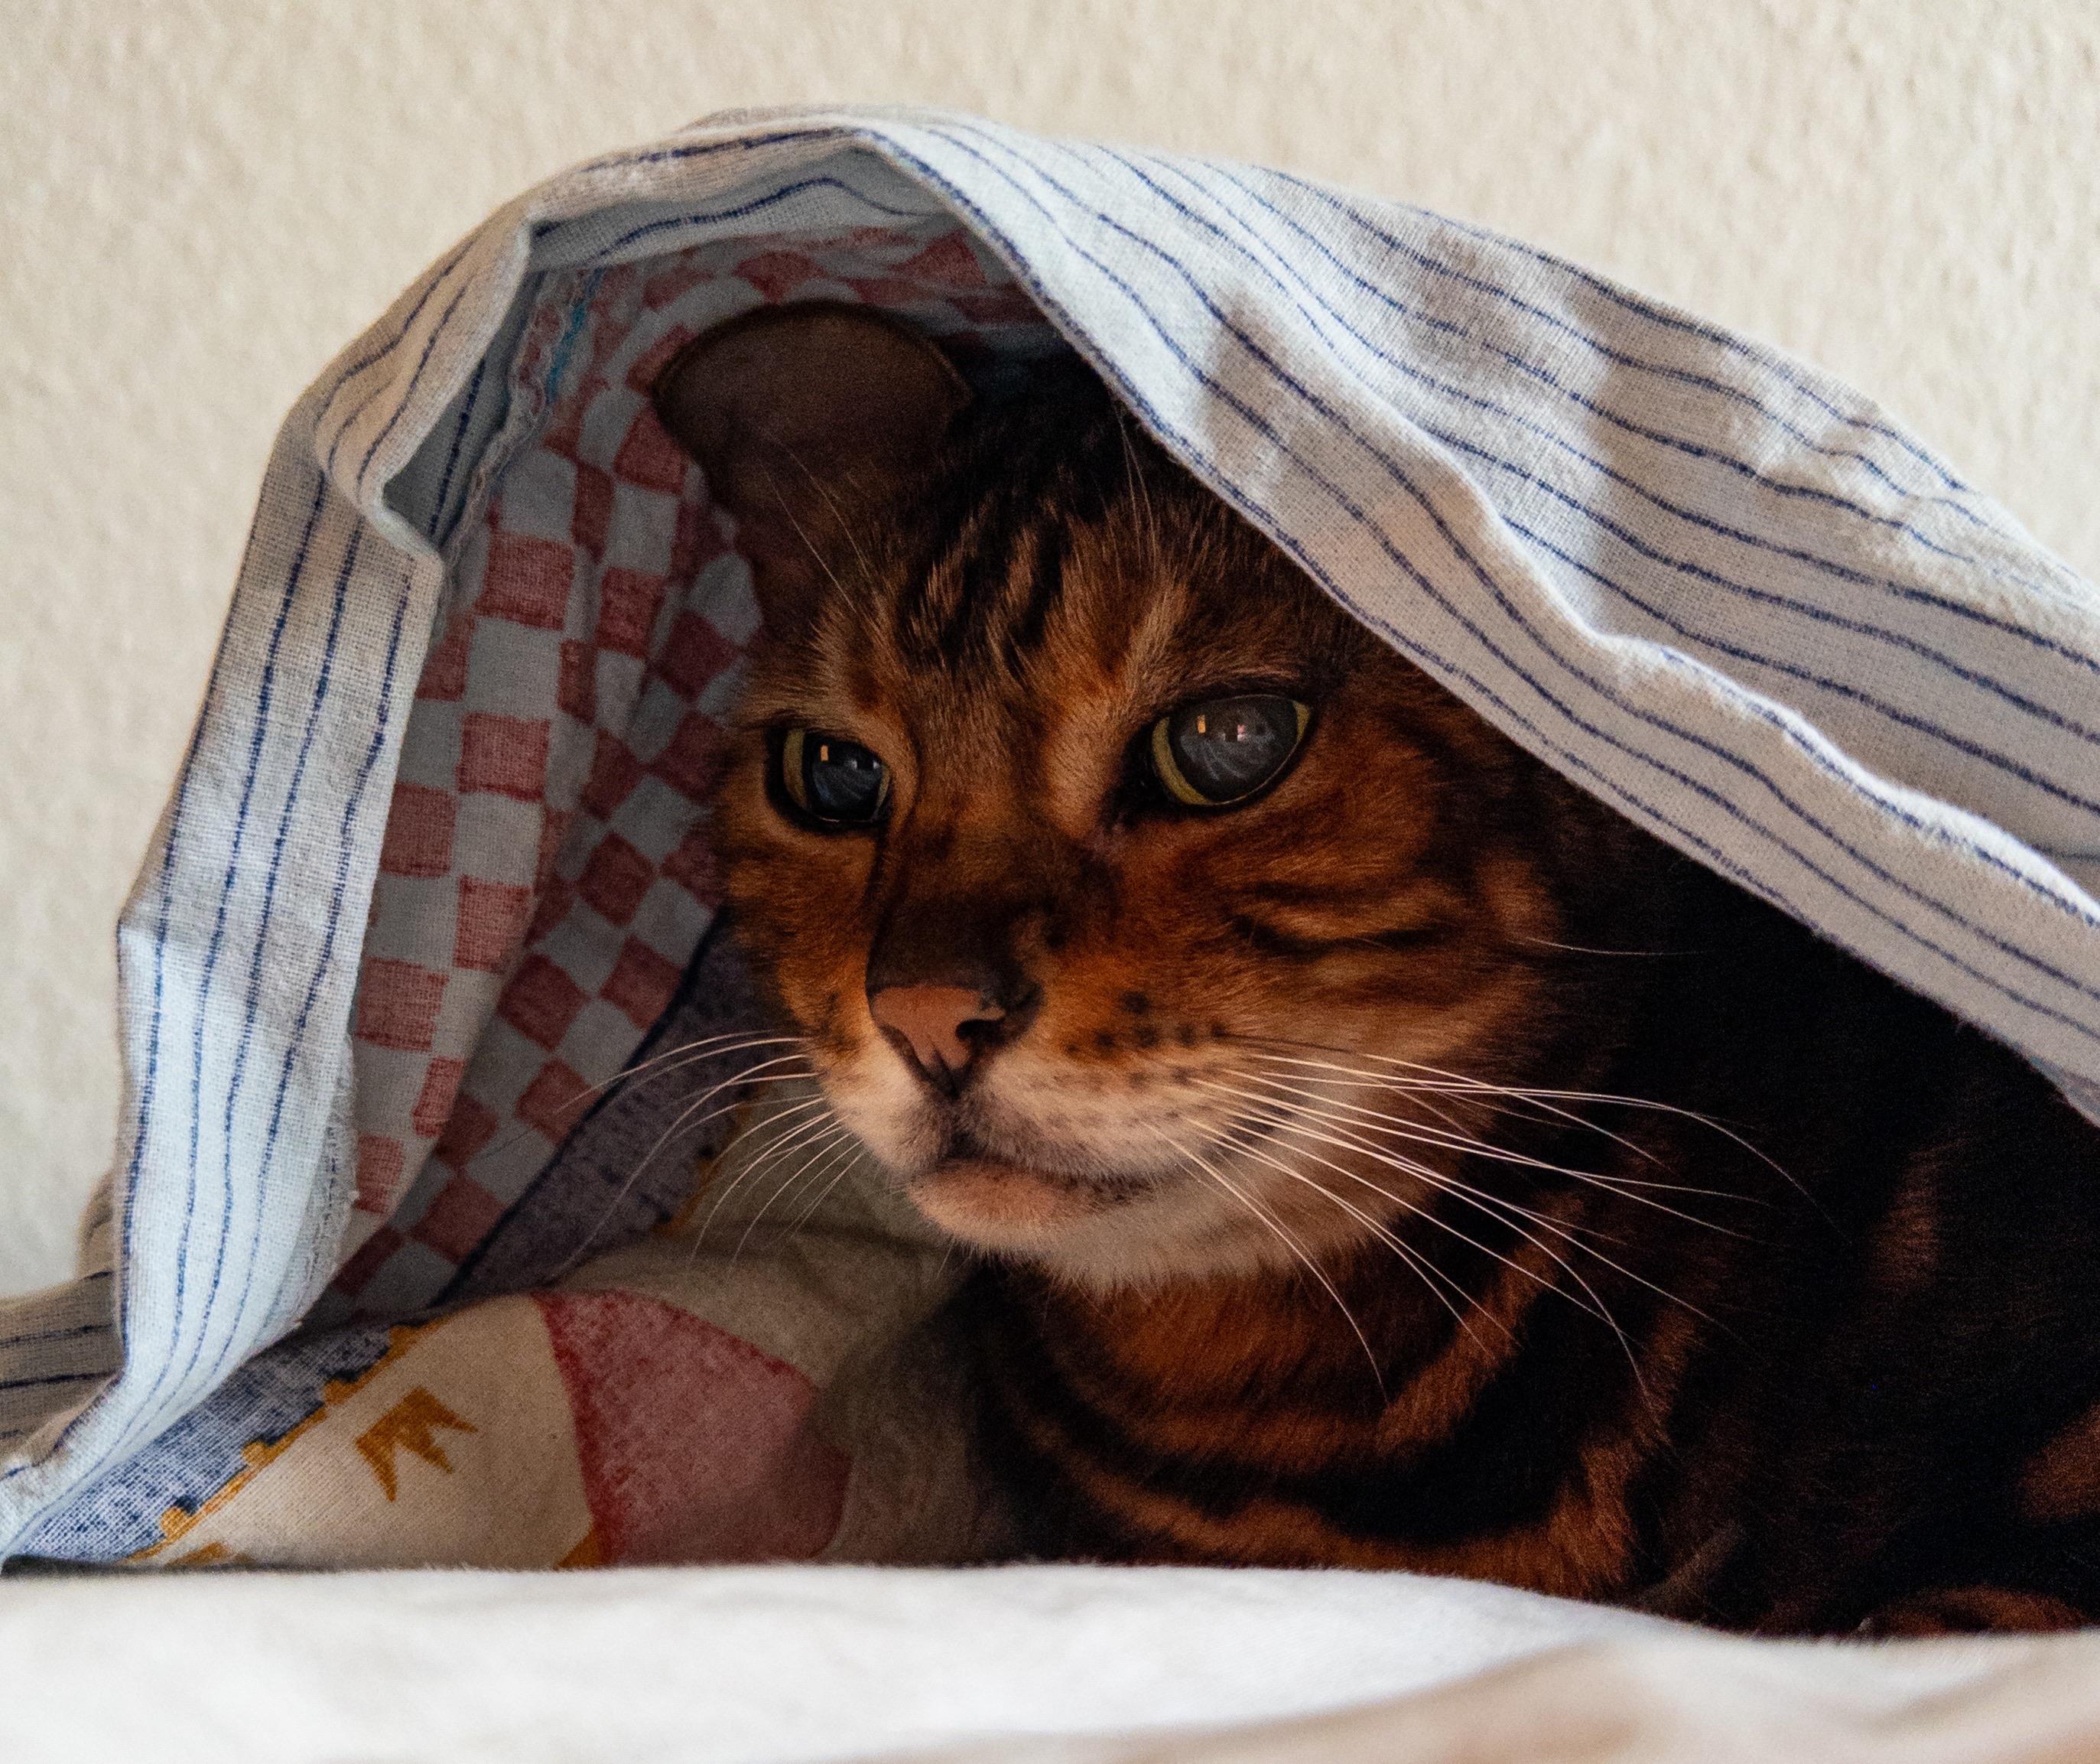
1378	1153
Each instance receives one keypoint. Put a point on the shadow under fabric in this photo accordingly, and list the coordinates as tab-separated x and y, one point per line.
394	1264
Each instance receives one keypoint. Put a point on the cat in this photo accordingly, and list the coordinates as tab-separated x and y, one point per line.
1378	1153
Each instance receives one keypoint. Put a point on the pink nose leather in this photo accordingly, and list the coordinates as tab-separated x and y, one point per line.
929	1020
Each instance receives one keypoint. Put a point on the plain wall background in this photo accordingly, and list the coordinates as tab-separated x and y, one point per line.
203	200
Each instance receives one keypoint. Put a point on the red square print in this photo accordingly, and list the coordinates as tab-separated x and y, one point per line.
696	654
948	260
667	284
553	829
444	669
641	983
541	1001
506	756
372	1255
565	428
463	1213
470	1126
419	832
647	366
615	878
648	458
555	1101
576	691
614	773
692	865
434	1107
692	759
491	924
555	900
526	580
380	1161
397	1004
778	274
591	518
886	290
696	540
628	601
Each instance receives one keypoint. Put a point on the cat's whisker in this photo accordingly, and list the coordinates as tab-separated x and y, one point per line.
1414	1075
1400	1127
1296	1248
841	1165
695	1053
1423	1268
1528	1101
1320	1111
1594	1308
760	1157
743	1146
1589	949
817	1149
1140	493
1509	1212
1547	1098
822	1145
1542	1100
681	1124
1495	1208
843	518
680	1121
785	507
684	1122
659	1067
764	1156
1592	1303
1494	1098
1455	1135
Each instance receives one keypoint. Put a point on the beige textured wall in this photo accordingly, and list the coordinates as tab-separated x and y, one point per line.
202	200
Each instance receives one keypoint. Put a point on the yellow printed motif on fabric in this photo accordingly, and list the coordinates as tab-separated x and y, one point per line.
412	1425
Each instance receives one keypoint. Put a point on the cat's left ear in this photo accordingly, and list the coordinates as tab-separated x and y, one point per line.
804	418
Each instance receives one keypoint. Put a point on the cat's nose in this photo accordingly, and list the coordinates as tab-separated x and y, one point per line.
941	1029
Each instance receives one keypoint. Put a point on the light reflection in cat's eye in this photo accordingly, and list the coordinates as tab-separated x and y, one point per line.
1221	752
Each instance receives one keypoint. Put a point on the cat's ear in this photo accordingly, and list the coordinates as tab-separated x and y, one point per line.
804	418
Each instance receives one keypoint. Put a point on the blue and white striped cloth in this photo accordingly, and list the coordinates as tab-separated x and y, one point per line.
1715	587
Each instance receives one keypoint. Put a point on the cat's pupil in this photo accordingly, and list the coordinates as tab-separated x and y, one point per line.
1227	747
842	780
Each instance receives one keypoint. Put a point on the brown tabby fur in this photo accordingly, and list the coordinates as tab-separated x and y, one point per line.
1809	1346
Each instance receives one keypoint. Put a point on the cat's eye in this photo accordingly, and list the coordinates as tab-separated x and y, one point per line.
836	782
1219	751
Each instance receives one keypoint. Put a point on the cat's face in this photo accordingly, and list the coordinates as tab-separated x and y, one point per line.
1084	842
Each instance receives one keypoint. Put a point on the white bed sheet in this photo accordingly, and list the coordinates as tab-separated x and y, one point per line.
741	1665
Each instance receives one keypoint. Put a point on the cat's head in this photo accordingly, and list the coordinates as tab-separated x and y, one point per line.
1113	874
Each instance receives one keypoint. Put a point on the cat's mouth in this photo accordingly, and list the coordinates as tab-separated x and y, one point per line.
976	1192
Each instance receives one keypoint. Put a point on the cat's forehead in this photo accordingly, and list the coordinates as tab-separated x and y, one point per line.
1067	560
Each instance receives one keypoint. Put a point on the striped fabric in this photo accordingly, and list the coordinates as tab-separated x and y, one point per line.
1724	593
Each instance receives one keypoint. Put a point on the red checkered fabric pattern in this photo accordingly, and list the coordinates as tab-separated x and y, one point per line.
545	876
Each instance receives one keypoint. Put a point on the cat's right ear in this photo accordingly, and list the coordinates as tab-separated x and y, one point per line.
804	418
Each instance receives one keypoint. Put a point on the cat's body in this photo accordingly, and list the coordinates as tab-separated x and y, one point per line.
1889	1393
1384	1154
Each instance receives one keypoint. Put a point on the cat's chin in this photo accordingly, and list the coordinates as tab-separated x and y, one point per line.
1000	1206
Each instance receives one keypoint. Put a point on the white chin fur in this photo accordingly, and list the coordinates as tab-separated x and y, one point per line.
1178	1227
1181	1232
